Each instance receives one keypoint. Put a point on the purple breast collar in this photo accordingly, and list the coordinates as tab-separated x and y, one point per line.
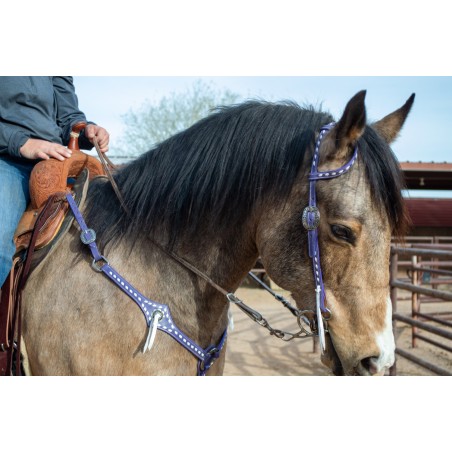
311	220
157	315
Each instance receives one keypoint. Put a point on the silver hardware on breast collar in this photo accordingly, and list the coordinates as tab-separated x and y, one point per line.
88	236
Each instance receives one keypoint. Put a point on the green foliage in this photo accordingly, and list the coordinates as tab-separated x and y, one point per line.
154	122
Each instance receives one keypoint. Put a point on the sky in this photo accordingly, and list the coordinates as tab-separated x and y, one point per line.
425	137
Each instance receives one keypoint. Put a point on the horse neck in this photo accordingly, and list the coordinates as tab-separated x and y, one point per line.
196	306
225	259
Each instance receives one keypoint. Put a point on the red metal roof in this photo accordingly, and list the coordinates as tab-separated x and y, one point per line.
428	212
426	166
427	175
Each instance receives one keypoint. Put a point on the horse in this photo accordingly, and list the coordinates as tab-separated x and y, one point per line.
201	208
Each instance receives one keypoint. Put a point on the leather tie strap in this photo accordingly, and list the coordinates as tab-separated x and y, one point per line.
108	166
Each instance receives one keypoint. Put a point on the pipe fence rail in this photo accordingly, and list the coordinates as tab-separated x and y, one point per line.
422	273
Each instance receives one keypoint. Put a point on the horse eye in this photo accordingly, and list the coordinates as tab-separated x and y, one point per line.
343	233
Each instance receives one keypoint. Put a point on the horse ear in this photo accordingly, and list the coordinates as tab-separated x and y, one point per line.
390	126
351	125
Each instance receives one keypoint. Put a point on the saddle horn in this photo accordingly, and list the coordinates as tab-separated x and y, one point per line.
50	176
75	133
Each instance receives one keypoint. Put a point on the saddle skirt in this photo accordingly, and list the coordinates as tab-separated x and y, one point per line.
55	225
56	215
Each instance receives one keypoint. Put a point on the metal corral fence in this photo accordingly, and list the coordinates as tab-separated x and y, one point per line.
421	276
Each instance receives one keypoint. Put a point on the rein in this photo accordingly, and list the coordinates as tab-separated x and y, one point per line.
251	313
158	316
304	318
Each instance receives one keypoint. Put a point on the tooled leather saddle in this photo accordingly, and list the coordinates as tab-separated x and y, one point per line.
40	229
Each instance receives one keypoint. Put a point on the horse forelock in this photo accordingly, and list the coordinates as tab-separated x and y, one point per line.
212	174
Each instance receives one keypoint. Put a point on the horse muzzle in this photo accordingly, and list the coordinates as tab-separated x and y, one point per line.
368	366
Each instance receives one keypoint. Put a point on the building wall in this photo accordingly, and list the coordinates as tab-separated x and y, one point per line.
430	216
430	231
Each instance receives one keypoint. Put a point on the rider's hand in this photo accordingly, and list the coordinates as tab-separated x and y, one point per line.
100	133
41	149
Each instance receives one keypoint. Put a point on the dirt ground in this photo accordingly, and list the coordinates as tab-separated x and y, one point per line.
252	351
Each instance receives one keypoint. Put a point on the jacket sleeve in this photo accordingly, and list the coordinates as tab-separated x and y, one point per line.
68	112
12	138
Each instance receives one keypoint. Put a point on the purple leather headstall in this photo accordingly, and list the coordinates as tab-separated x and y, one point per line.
311	220
157	315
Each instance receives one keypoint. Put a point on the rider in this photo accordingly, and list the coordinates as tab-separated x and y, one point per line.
36	118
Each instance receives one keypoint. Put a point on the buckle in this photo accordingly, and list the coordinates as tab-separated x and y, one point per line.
211	356
97	265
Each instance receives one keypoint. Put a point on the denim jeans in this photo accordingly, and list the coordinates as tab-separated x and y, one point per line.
14	198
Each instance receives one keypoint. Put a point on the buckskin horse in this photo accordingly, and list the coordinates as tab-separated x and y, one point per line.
148	292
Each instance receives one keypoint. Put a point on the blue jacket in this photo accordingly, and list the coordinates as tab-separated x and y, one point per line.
37	107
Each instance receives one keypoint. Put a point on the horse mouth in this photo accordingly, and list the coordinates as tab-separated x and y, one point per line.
330	358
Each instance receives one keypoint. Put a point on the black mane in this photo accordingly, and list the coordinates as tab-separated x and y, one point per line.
221	166
386	180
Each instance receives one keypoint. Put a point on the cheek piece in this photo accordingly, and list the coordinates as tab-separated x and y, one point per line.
311	220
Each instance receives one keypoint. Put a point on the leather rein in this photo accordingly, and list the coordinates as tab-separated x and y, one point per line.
158	316
305	318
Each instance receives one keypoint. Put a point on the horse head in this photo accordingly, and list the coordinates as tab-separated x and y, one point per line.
359	212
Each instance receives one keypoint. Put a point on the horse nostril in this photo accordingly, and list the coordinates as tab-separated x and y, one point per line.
370	364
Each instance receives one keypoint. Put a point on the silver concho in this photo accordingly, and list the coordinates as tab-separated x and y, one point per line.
88	236
304	218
